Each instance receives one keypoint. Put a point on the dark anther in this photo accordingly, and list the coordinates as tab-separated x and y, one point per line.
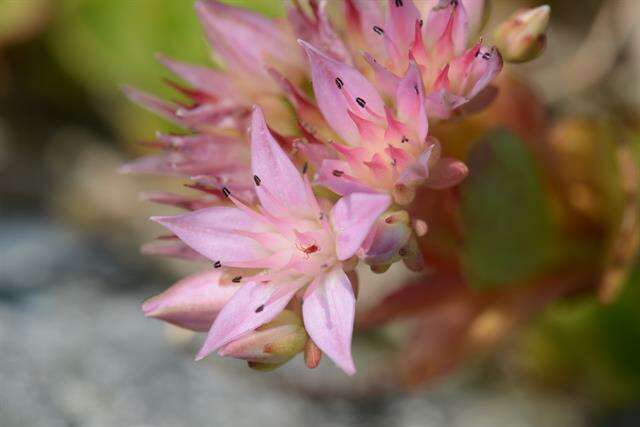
403	252
486	55
361	102
398	3
378	30
394	162
257	180
305	168
339	82
404	139
415	87
226	192
421	23
217	264
259	309
338	173
236	279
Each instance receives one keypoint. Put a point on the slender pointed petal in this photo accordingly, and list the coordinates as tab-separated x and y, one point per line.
328	312
352	218
201	78
247	41
275	172
334	174
411	102
193	302
401	23
340	88
213	233
447	26
246	311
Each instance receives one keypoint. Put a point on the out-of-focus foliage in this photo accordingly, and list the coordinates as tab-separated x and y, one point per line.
510	235
107	43
589	348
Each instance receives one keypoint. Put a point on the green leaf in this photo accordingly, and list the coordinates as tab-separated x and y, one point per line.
508	224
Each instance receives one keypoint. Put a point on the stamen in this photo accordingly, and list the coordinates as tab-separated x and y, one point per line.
338	173
361	102
339	82
404	139
257	180
226	192
378	30
259	309
399	3
305	168
236	279
217	264
415	87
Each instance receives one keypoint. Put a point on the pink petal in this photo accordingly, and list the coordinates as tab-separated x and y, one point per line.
201	78
213	232
193	302
340	88
385	79
475	10
475	14
447	25
411	102
153	104
401	23
328	313
352	218
420	169
362	16
248	309
246	40
340	182
318	30
276	174
175	249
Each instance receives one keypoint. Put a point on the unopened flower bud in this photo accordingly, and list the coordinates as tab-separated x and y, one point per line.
390	233
411	255
420	227
312	354
522	37
271	344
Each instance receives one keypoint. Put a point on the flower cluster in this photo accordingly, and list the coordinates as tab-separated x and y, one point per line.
304	148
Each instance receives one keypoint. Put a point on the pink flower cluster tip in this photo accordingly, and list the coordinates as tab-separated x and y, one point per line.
303	150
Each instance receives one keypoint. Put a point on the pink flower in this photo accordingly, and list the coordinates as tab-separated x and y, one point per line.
293	241
381	153
434	35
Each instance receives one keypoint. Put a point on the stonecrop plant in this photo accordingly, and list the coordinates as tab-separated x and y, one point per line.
308	147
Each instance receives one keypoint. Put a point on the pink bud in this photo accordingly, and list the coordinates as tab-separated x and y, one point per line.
192	303
522	37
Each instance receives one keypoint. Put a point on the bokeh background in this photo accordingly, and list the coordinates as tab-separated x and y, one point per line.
75	349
